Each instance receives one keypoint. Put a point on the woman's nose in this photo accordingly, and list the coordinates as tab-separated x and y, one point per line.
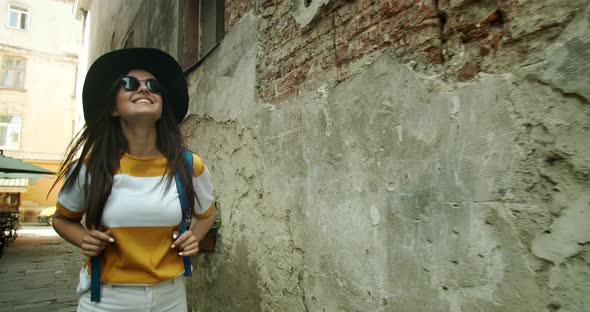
142	87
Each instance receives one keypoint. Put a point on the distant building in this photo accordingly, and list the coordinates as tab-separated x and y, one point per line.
39	42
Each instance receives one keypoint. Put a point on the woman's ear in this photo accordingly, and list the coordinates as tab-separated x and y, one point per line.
114	113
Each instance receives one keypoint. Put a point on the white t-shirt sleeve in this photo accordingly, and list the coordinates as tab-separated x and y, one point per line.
203	189
72	199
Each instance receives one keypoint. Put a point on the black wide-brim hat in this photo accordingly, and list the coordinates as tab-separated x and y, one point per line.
114	64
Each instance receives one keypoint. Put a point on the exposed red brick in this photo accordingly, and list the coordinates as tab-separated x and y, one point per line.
284	96
392	7
455	4
261	3
474	35
235	9
434	54
475	31
491	18
443	4
458	22
347	33
467	72
495	39
294	77
484	49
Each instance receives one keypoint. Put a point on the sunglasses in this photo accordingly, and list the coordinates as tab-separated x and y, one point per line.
130	83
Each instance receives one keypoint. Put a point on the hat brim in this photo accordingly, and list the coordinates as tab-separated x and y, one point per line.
114	64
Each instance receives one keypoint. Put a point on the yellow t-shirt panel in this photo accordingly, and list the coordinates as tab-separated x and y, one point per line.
131	261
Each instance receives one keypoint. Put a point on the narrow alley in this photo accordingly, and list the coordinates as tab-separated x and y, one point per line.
351	155
38	272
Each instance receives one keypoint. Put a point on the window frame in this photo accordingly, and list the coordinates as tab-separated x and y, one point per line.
192	43
20	13
24	70
19	127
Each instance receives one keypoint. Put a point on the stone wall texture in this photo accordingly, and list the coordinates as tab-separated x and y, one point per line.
393	155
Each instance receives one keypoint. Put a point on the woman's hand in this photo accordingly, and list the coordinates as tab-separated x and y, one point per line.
95	241
187	243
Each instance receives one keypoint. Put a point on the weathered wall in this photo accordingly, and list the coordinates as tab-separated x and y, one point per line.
153	24
434	160
398	189
450	39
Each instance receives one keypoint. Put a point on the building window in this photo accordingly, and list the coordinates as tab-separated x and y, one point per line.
18	17
13	199
12	74
203	28
9	132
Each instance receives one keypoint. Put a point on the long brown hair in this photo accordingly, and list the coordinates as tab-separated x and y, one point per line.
101	144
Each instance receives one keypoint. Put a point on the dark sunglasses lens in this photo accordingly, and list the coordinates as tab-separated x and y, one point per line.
130	83
153	85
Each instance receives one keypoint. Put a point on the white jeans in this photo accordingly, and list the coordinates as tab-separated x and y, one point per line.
166	296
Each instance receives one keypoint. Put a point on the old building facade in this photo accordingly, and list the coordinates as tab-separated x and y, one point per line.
389	155
39	43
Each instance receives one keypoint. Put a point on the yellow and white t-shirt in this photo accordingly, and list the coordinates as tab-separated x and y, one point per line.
142	217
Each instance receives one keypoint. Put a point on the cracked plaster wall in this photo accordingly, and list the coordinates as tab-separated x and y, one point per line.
380	194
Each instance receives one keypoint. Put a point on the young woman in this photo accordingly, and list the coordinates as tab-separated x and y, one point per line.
128	182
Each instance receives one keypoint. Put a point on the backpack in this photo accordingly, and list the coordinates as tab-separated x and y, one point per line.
184	205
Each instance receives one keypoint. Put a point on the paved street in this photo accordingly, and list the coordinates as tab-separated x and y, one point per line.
39	272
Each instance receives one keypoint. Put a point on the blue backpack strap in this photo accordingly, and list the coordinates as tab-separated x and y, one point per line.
95	275
185	206
95	279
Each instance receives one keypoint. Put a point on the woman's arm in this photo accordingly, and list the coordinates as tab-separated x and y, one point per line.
91	242
188	243
200	227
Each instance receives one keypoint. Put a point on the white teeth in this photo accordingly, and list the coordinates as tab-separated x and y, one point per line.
143	101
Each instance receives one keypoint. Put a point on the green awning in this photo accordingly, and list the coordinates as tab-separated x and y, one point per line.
9	165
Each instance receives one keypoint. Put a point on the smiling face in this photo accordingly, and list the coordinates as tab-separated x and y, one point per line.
140	104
